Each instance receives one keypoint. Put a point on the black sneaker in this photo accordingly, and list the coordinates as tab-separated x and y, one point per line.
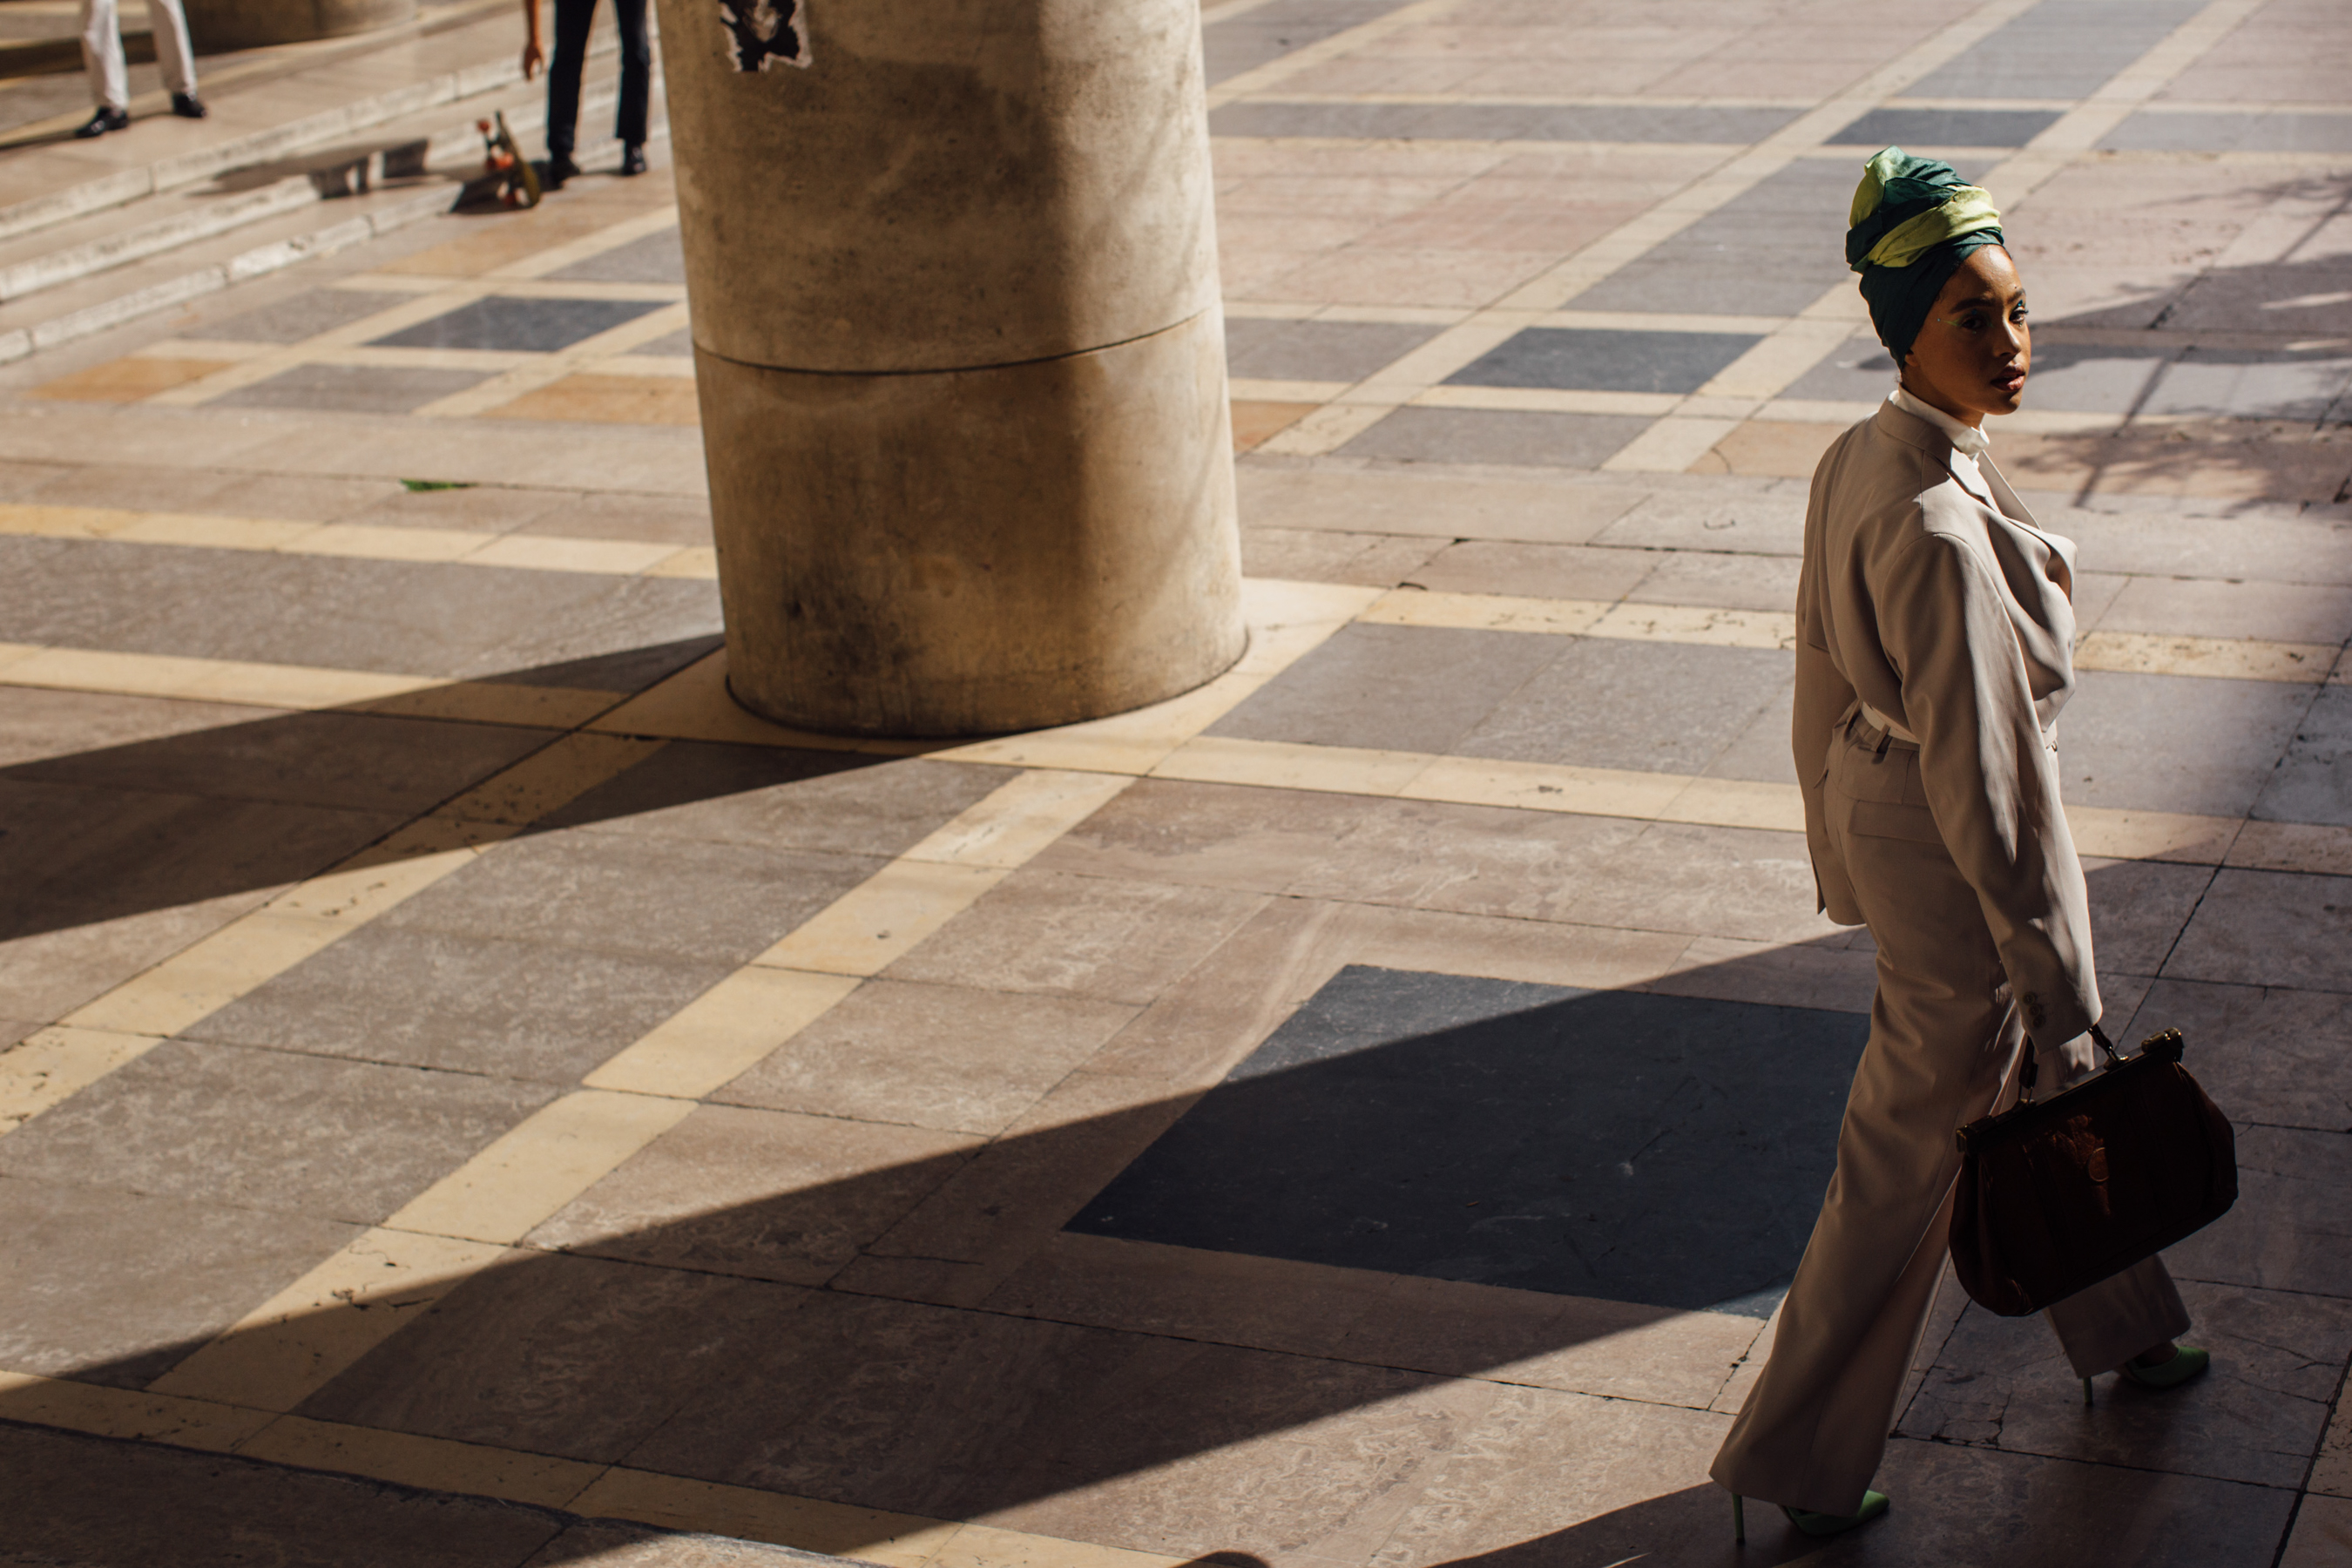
633	158
560	168
104	121
188	106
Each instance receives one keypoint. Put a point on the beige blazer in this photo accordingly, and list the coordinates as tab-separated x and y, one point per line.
1956	621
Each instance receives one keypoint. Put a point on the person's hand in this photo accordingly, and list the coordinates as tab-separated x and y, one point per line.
532	60
2066	1065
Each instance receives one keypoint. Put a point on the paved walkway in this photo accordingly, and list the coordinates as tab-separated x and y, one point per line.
477	1082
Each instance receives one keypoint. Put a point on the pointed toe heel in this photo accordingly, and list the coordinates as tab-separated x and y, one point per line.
1873	1506
2188	1362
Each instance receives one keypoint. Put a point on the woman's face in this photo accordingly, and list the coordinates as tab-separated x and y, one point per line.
1972	356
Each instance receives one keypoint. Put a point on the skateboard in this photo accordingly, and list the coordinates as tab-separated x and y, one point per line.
505	170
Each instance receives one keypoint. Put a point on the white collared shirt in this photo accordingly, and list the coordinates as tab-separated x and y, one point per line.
1967	440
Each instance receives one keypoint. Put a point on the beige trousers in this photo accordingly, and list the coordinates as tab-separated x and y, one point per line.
101	51
1944	1038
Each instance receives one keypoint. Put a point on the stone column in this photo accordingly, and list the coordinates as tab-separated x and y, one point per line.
962	365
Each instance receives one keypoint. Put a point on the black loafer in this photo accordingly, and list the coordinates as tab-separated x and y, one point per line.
188	106
560	168
104	121
633	158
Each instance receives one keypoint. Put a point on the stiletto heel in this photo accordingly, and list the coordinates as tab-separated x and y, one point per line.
1739	1517
2087	1391
1873	1506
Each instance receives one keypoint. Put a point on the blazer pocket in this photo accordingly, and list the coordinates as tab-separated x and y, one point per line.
1885	819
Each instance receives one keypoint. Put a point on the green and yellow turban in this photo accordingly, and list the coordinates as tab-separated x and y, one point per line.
1913	221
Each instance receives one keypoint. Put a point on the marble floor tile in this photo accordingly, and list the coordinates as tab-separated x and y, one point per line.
1784	449
1457	502
1317	350
1647	707
1218	836
208	1510
2322	1534
560	1354
1710	881
116	1288
1947	127
297	317
1587	360
2286	1232
222	1125
587	398
465	1004
504	322
1401	689
658	258
830	803
353	389
337	762
764	1194
1534	570
666	519
952	1058
1473	860
2175	742
2269	928
130	380
2314	782
2004	1382
694	902
1059	935
1478	435
617	1545
1458	1127
2280	612
1298	554
2138	909
1256	422
46	975
2264	1055
2057	51
1733	582
475	509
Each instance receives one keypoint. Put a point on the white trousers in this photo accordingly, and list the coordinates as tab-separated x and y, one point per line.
101	51
1945	1038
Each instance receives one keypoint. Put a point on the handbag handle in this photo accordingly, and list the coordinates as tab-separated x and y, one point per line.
2033	1066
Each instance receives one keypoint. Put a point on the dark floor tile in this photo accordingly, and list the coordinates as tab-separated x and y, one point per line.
1649	707
2314	782
518	325
611	892
1621	122
914	1408
626	633
558	1355
1860	371
2004	1382
469	1004
299	316
1483	861
817	801
2269	928
2258	130
1584	359
111	1504
2138	909
117	1288
1219	836
1482	435
1947	128
269	1129
759	1194
2286	1232
1534	1136
655	258
1264	350
2264	1055
2175	742
1760	254
78	854
1403	689
1350	121
2062	48
1268	32
1762	750
350	762
49	973
352	388
678	344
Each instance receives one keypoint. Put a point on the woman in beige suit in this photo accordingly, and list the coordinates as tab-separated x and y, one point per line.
1934	625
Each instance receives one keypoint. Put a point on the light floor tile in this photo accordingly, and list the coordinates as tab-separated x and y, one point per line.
125	1413
892	1540
45	1068
407	1460
1485	611
2142	653
509	1188
722	1034
872	926
2293	846
1280	764
296	1343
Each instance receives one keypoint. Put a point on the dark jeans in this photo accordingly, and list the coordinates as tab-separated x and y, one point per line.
571	19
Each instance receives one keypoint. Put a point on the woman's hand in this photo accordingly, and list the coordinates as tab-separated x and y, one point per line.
532	60
2066	1065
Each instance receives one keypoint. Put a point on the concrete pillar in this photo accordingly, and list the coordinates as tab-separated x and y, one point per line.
962	366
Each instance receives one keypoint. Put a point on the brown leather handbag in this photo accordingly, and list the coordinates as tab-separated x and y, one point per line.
2057	1194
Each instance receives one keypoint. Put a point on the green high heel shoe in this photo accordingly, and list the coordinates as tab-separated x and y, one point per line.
2186	1363
1873	1506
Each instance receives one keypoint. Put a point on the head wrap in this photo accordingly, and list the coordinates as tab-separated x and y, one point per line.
1913	221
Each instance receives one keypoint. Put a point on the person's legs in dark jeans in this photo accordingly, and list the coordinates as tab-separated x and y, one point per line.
636	71
572	20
